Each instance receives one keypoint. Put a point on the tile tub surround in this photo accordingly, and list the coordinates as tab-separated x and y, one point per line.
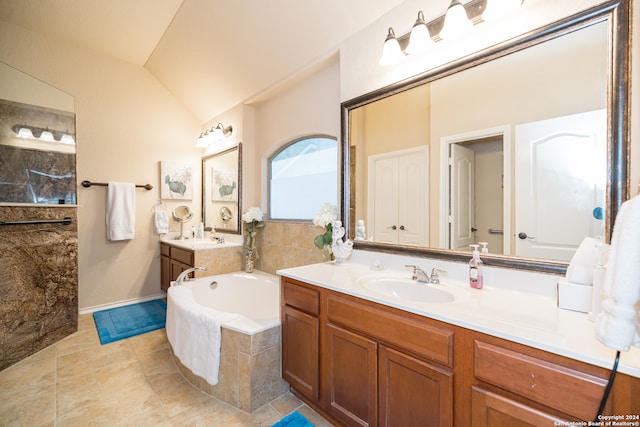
38	280
250	367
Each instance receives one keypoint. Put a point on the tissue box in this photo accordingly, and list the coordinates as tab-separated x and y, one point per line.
572	296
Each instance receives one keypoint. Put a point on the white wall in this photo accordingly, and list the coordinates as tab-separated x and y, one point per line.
126	124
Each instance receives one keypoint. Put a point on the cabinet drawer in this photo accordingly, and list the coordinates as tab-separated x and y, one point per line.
182	255
565	389
300	297
165	249
426	340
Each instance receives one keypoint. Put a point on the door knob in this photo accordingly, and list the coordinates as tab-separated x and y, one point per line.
523	235
402	227
473	229
393	227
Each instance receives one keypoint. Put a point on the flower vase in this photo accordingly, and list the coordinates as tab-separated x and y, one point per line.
248	261
327	253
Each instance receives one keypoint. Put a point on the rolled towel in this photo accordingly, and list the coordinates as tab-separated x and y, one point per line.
618	323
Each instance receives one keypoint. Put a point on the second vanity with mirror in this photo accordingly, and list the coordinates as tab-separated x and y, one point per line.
364	354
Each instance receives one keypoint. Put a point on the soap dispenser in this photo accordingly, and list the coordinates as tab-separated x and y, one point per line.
475	269
484	249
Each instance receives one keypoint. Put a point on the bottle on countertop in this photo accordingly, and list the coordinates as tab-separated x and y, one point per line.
475	269
484	249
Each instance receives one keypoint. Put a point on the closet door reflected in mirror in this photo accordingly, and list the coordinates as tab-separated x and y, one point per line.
221	190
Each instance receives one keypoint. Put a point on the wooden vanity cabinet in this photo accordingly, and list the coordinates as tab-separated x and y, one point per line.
385	367
360	363
173	261
300	310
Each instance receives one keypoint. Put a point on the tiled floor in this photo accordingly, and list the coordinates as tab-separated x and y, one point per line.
134	382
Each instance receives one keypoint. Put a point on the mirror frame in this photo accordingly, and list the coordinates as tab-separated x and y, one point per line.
206	191
617	13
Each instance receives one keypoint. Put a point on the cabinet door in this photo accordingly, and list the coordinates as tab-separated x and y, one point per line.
492	410
351	377
165	272
178	267
413	392
300	356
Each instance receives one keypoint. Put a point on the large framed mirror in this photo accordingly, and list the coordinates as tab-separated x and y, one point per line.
541	125
222	190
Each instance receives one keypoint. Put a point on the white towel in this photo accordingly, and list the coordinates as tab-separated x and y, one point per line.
194	332
121	211
160	222
618	324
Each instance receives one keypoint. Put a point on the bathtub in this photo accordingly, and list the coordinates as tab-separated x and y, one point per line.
250	356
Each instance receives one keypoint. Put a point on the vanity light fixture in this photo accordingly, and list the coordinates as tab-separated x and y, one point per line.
498	8
391	51
43	134
215	134
420	40
456	21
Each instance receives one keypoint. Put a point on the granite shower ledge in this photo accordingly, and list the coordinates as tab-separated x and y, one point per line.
521	317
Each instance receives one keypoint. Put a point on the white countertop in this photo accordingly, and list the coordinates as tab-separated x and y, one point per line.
531	319
201	244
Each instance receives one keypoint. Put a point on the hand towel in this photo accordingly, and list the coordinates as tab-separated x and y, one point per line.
194	332
160	222
618	323
121	211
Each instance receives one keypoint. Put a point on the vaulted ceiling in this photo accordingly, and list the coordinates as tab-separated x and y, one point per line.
212	54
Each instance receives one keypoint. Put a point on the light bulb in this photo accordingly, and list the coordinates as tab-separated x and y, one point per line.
456	21
25	133
47	136
420	40
391	51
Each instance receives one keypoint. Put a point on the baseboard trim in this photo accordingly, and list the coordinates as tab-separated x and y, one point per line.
100	307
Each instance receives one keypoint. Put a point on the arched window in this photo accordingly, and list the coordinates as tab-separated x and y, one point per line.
303	176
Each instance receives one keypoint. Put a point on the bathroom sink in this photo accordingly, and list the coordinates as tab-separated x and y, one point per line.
406	289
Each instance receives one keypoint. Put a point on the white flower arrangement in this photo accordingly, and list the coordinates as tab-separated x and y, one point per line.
254	213
326	216
253	218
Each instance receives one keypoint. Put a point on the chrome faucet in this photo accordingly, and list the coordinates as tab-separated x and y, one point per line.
434	277
218	239
418	274
184	276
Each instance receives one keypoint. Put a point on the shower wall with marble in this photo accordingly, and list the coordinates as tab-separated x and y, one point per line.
38	218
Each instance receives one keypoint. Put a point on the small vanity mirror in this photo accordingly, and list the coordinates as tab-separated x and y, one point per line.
37	141
182	214
221	190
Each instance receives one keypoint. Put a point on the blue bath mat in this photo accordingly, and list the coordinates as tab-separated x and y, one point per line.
123	322
294	419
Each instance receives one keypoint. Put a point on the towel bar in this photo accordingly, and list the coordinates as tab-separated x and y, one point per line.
65	221
88	184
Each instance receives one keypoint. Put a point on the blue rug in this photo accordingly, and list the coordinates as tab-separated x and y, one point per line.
123	322
294	419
